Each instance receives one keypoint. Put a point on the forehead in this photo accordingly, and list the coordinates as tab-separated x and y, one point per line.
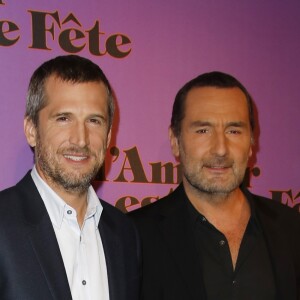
211	102
60	93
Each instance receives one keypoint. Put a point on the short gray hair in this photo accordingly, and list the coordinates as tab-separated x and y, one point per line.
70	68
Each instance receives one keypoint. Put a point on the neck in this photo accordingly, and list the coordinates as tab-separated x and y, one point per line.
228	213
219	208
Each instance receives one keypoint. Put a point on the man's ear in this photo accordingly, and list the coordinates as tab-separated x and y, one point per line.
250	152
108	137
30	132
174	143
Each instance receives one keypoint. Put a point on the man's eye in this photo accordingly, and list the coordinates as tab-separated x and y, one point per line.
95	121
234	131
62	119
201	131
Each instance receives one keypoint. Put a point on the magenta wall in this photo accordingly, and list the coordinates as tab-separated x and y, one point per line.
168	43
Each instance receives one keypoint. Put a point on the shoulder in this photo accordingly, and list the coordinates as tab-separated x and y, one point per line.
9	198
112	211
24	186
24	192
161	208
116	219
7	193
286	217
20	208
115	225
268	205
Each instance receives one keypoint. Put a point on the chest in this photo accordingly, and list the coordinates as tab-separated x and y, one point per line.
83	257
235	263
234	238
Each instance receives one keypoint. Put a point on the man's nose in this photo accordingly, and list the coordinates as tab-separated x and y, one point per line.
80	135
219	144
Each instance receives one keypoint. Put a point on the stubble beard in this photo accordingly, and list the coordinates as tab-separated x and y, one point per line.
213	187
60	176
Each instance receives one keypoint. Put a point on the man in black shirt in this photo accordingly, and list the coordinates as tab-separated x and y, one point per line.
211	238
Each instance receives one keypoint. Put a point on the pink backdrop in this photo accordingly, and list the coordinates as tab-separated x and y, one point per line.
160	46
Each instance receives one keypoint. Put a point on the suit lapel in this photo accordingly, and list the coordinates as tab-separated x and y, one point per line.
113	257
43	240
179	239
279	253
46	249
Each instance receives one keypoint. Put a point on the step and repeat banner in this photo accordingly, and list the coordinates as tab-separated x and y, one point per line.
148	50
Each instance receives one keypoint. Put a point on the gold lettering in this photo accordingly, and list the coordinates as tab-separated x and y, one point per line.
125	202
39	28
7	27
133	164
169	178
287	198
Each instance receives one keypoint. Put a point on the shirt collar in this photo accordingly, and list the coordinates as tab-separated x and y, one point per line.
194	215
252	205
57	207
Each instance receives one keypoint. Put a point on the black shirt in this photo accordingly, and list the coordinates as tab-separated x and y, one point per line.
252	277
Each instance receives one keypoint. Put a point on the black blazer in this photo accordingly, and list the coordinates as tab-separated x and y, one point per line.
171	267
31	266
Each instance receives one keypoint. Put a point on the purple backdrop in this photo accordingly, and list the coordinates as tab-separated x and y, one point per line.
165	44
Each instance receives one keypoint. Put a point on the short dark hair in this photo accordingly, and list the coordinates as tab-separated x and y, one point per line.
212	79
69	68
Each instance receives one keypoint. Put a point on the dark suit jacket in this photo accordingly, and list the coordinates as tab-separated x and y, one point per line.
171	267
31	266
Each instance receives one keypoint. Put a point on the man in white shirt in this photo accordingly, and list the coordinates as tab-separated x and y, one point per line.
57	240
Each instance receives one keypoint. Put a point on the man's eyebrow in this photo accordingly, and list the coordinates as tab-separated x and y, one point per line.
67	114
200	123
236	124
97	116
62	114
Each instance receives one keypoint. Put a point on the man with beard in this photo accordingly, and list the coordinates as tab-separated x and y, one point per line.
57	240
211	238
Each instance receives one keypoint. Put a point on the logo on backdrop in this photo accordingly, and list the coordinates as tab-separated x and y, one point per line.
133	170
66	31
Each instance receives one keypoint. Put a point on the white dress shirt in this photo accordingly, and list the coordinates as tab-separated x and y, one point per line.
81	248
